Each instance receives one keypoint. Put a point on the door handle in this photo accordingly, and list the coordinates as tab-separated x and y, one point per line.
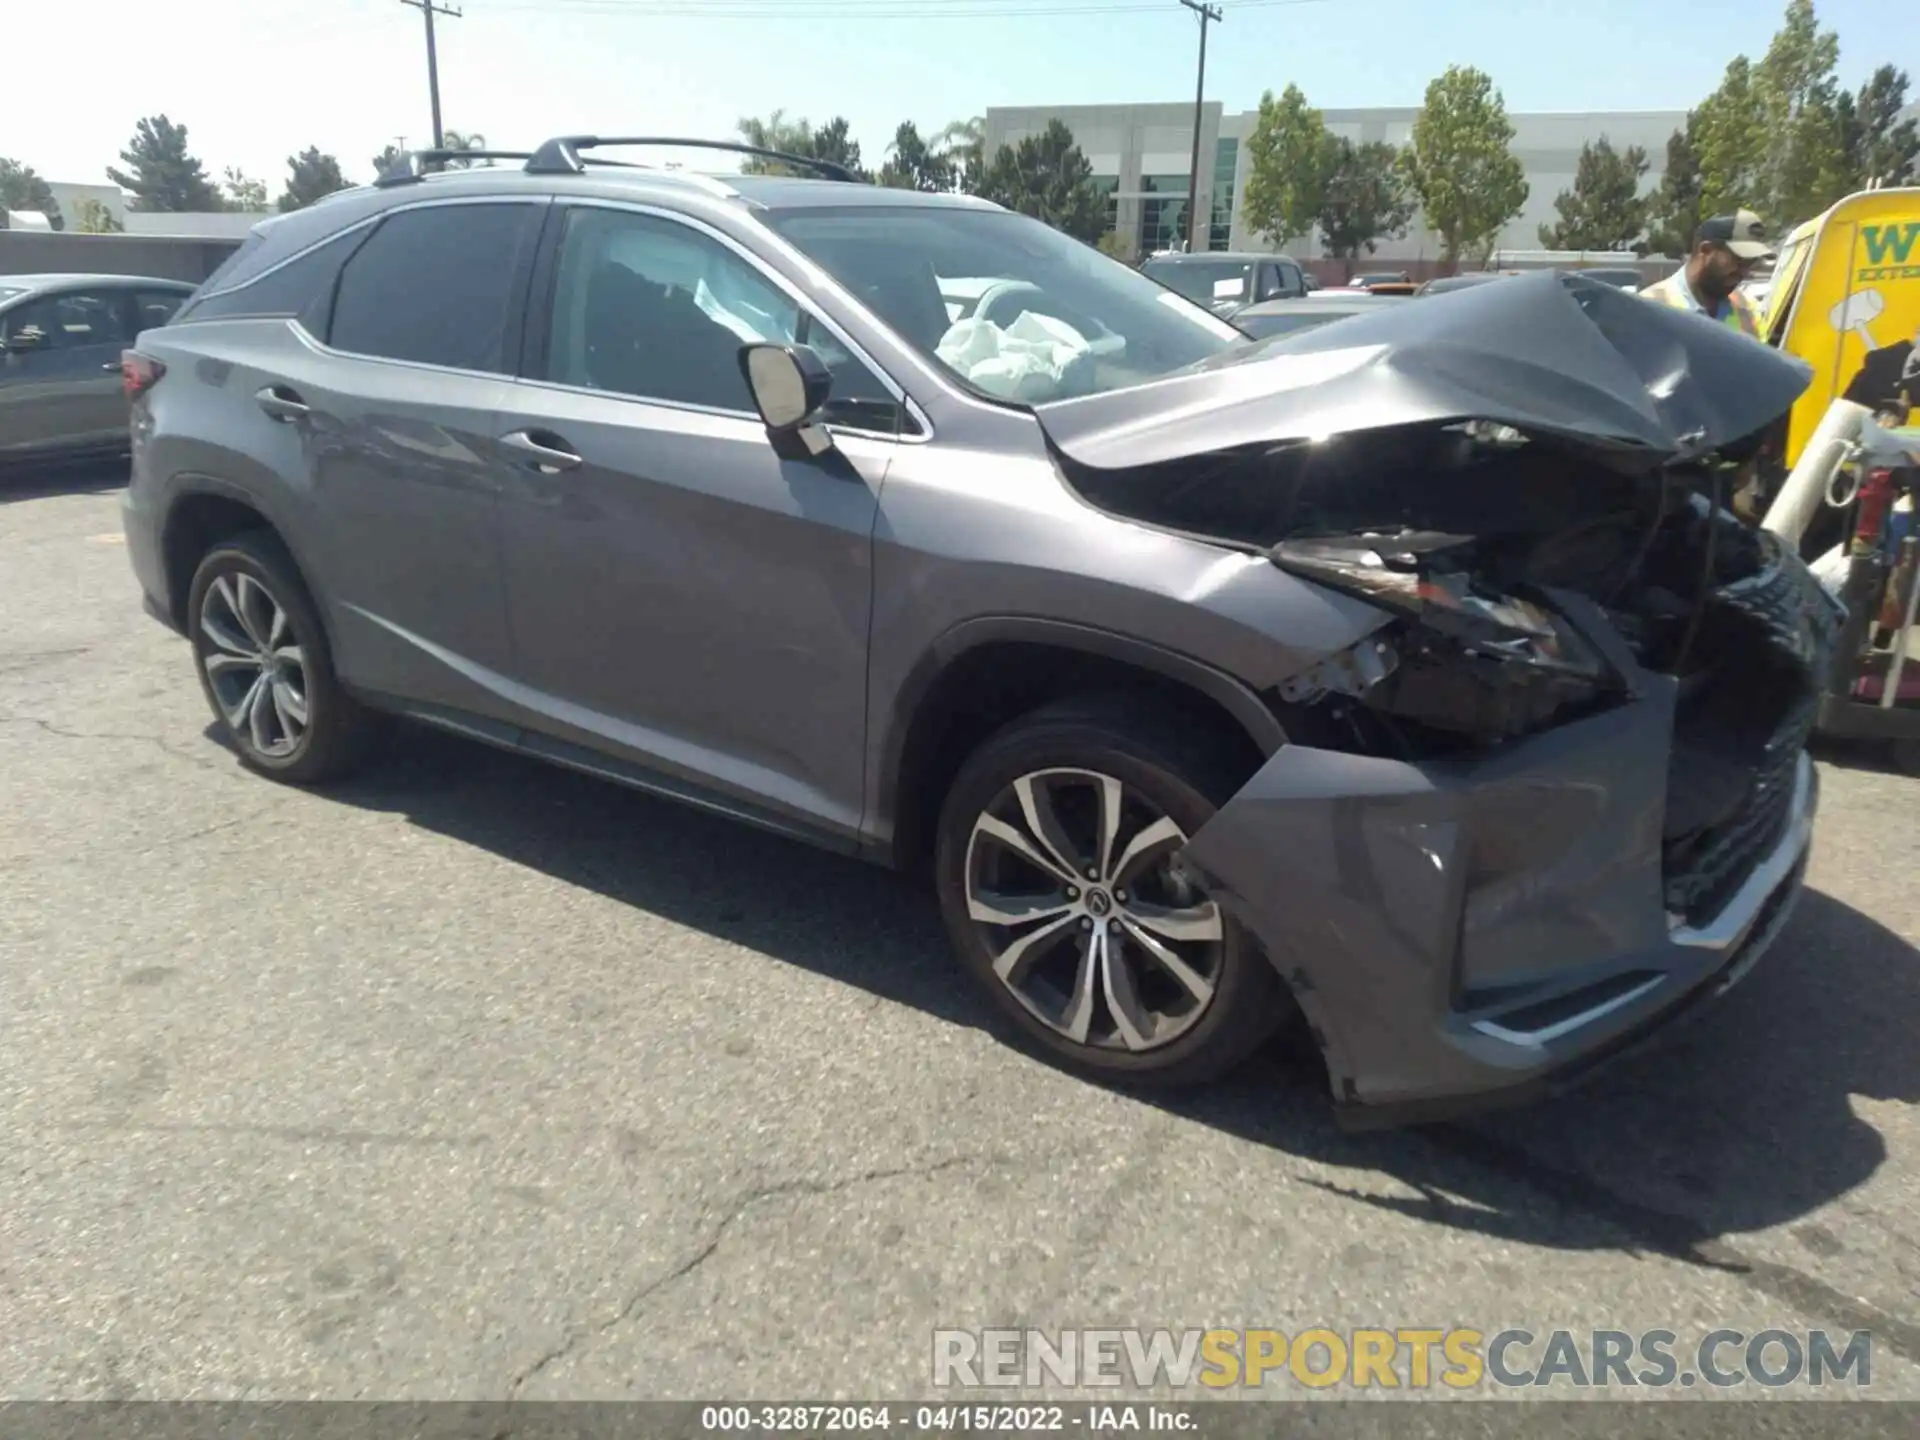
112	365
548	459
282	404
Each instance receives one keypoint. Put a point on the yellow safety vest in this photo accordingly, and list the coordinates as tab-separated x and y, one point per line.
1672	292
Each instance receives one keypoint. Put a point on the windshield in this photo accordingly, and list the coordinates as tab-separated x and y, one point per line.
1053	318
1207	281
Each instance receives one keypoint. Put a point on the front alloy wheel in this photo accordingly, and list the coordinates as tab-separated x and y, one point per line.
1092	926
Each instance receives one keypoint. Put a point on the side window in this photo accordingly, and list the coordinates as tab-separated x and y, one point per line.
303	286
652	308
154	308
1292	283
437	286
1269	284
71	320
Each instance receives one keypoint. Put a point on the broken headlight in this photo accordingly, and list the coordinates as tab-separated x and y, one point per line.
1466	658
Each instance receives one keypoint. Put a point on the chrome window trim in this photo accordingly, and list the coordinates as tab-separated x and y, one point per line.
779	282
367	222
313	342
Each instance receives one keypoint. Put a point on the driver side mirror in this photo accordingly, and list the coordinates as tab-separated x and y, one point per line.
789	385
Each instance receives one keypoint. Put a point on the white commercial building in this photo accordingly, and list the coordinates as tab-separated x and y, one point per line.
1141	156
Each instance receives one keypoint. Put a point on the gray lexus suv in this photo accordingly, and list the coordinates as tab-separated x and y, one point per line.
1407	676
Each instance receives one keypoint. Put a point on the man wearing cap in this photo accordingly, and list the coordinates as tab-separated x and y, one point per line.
1725	250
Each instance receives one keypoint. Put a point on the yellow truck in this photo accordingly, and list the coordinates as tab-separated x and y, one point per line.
1846	299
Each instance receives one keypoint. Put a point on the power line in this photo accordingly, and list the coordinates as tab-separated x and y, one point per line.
775	10
428	8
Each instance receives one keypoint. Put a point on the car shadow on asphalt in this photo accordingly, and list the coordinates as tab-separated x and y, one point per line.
74	477
1740	1119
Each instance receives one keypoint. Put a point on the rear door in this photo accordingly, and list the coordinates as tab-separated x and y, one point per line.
60	372
400	405
681	595
358	382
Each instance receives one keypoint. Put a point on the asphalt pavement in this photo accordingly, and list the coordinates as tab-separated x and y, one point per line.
473	1078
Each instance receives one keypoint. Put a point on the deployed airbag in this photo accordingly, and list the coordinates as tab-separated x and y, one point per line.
1028	360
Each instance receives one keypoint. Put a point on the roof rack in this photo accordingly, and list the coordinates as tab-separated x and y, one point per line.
561	155
415	165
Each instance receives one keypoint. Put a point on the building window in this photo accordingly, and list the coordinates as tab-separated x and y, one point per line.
1109	186
1162	212
1226	155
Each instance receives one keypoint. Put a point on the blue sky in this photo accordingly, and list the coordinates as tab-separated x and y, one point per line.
255	80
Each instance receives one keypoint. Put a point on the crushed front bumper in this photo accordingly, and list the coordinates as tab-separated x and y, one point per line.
1467	934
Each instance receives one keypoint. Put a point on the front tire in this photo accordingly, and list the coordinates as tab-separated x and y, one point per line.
1056	864
265	668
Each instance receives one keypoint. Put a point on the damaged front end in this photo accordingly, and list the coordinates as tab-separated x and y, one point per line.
1562	788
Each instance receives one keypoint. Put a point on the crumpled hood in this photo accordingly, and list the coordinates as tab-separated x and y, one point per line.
1547	354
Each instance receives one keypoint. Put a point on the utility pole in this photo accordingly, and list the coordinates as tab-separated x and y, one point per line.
1196	236
429	9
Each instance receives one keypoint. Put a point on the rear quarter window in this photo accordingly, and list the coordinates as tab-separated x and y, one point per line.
301	287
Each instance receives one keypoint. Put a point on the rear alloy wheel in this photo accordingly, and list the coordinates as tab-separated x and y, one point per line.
255	667
1063	887
265	667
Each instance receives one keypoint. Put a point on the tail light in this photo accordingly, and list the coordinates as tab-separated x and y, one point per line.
139	373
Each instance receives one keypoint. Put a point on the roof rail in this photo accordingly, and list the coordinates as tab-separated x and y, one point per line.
417	164
561	155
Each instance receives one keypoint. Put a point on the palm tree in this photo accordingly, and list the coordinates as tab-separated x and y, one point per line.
964	144
466	140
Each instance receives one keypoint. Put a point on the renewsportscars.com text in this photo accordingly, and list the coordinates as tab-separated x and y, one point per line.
1460	1358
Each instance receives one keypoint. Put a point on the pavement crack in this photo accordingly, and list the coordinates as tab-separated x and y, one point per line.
571	1342
191	757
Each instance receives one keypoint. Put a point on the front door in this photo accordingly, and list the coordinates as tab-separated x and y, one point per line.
679	594
60	383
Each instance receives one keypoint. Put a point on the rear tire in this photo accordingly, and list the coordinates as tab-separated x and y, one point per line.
265	667
1116	964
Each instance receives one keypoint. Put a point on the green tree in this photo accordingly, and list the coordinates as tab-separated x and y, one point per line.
831	142
1288	155
22	189
311	176
1046	176
1879	144
1363	198
776	132
1728	138
243	192
913	164
1676	208
1604	209
385	159
93	218
1460	164
1804	160
162	173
